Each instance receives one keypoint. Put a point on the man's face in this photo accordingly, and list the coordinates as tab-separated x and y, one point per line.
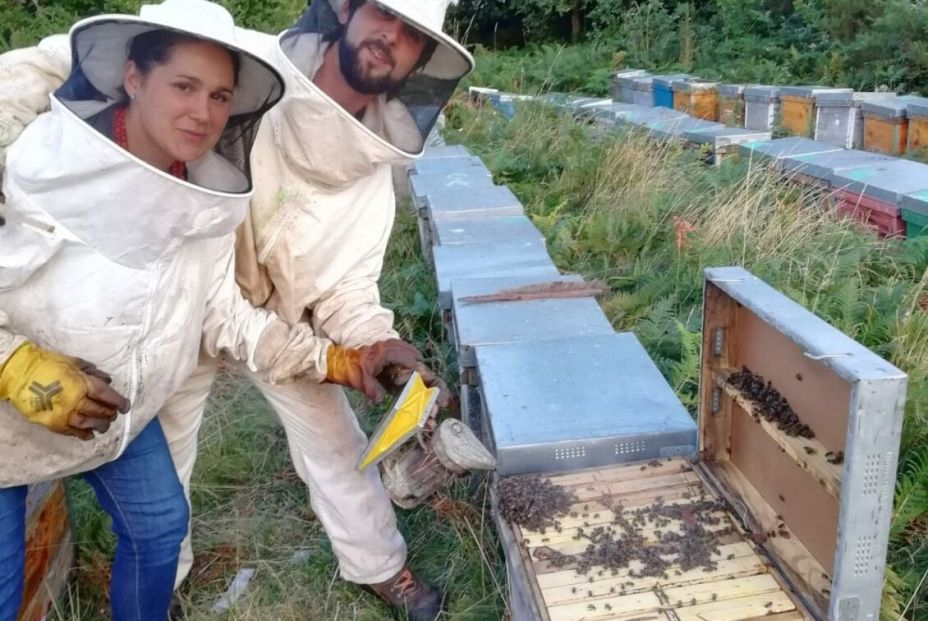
378	49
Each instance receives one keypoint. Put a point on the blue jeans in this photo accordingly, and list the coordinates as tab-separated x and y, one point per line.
143	496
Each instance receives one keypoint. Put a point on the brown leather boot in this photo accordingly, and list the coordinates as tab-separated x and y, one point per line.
406	592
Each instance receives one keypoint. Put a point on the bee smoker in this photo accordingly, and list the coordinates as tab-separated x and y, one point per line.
420	468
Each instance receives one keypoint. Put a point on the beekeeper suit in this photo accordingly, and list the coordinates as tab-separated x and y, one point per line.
312	248
105	257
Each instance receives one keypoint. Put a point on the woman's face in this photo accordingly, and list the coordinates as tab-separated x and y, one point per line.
179	109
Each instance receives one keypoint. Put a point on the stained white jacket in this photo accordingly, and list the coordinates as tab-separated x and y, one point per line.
105	258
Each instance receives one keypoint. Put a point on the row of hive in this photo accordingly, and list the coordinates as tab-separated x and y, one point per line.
887	192
545	380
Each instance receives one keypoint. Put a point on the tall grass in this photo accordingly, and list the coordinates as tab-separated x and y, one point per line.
649	218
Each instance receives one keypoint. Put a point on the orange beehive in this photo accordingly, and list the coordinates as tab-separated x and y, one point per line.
698	99
797	107
918	123
886	126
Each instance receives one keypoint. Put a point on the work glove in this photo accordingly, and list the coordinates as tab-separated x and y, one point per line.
394	378
67	395
360	368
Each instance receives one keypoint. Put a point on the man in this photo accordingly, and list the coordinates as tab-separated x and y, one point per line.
366	82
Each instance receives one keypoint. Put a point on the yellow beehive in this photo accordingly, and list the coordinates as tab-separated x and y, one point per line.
698	99
886	126
918	123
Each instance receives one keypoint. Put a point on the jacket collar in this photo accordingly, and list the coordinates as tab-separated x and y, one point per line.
83	186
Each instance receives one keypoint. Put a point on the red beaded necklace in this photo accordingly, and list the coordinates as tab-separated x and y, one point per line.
178	169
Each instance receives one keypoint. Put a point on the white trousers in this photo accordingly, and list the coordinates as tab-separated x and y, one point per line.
325	441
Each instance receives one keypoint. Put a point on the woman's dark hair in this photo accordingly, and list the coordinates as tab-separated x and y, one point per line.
153	48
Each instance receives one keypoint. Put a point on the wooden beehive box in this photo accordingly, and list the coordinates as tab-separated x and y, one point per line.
698	99
731	105
800	537
918	124
886	126
49	551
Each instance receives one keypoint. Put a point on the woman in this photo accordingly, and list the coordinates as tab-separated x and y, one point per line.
121	208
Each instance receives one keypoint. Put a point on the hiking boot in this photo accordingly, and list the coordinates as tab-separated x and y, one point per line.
406	592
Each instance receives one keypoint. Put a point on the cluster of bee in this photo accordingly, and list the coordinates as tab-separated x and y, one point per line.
770	404
534	502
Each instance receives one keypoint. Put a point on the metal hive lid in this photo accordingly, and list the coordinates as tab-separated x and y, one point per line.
477	201
917	202
494	323
762	93
890	107
572	394
823	165
527	257
918	106
732	90
666	81
514	229
784	147
690	86
810	92
724	136
887	181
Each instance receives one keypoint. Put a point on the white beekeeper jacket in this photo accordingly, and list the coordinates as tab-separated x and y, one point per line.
106	258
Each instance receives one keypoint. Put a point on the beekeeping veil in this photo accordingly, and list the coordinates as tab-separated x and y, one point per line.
421	96
100	49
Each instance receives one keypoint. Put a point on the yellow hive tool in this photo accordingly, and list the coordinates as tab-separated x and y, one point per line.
404	420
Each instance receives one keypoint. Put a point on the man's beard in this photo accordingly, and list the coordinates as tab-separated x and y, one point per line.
350	63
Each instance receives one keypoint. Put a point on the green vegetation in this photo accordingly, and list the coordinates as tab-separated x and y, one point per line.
864	44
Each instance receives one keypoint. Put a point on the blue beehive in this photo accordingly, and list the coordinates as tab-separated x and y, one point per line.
663	93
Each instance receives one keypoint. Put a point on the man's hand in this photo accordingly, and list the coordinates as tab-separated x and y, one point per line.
67	395
394	377
360	368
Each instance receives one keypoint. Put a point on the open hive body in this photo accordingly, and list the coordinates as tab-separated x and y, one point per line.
802	534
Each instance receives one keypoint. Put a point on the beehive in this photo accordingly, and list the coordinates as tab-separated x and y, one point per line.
642	93
615	85
663	88
886	126
698	99
839	119
874	193
627	88
807	543
761	107
798	106
915	213
731	104
49	551
917	111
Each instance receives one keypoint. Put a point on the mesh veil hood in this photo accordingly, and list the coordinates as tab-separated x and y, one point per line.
99	49
421	96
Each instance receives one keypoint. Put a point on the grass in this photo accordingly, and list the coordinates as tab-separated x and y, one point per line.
251	509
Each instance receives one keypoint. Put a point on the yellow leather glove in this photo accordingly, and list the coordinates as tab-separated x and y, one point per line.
67	395
359	368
